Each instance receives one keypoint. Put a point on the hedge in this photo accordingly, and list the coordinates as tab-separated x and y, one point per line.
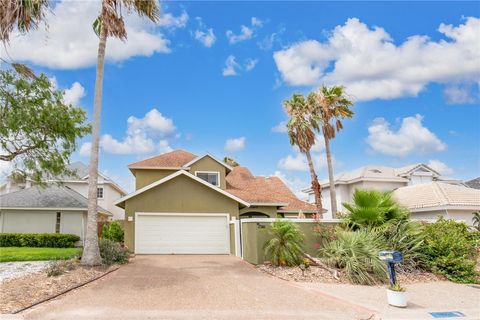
45	240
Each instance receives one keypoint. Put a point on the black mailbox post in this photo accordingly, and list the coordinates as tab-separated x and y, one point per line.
391	258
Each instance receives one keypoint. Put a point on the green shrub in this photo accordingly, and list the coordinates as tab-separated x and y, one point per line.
356	252
112	252
285	244
57	268
113	231
40	240
451	250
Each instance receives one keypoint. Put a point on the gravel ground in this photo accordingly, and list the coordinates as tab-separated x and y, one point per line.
13	270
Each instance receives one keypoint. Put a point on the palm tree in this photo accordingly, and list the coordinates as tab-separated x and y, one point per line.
300	129
332	105
285	244
476	220
109	23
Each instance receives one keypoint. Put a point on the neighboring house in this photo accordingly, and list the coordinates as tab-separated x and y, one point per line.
107	190
434	199
376	177
184	203
51	209
474	183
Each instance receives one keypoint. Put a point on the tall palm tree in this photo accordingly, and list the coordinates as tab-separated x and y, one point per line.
109	23
301	126
332	105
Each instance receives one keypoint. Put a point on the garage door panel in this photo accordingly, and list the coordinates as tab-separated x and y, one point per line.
182	234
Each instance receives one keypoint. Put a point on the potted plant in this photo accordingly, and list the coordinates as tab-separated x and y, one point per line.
397	296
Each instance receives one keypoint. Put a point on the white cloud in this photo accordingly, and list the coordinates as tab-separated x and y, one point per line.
144	135
168	20
294	183
235	144
298	162
281	127
74	94
70	43
440	167
246	33
411	137
204	35
372	66
232	67
5	169
462	93
85	149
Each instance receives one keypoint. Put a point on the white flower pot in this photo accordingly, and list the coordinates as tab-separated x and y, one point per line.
397	298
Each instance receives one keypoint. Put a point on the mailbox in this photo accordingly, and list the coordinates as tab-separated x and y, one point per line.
391	256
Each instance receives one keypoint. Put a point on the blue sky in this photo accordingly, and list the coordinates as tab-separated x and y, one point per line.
218	71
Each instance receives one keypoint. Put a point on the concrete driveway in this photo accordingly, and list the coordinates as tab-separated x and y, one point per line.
194	287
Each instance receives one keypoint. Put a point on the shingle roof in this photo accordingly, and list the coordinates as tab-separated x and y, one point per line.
174	159
52	196
242	183
437	194
474	183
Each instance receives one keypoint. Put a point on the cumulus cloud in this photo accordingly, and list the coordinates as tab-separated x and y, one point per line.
293	183
462	93
246	33
204	35
144	135
372	66
281	127
70	43
235	144
440	167
233	68
411	137
298	162
74	94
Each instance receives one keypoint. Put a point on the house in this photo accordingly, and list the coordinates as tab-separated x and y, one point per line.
376	177
474	183
184	203
49	209
107	190
433	199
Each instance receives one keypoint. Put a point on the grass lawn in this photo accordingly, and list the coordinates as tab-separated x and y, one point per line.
37	254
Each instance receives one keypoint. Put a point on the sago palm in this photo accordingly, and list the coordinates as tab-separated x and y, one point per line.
332	105
301	132
476	220
110	23
285	244
373	208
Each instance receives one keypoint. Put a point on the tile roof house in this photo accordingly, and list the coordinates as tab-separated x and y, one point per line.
377	177
433	199
49	209
108	191
183	203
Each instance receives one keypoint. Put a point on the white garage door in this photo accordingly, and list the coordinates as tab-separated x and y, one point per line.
182	234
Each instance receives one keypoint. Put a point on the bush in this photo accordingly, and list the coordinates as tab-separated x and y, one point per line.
40	240
112	252
285	245
57	268
357	253
113	231
451	250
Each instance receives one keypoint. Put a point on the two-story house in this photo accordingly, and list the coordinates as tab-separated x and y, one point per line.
185	203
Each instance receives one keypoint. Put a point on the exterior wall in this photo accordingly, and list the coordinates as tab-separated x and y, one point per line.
232	239
268	210
182	195
459	215
144	177
208	164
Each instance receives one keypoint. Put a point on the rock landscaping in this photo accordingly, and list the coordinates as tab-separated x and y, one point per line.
13	270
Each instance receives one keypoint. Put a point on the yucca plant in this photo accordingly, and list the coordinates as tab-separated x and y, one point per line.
285	245
356	252
373	209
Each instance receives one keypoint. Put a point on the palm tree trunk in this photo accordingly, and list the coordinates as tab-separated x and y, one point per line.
315	186
91	253
333	194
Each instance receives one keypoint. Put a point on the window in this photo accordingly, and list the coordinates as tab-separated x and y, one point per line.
209	176
100	192
58	222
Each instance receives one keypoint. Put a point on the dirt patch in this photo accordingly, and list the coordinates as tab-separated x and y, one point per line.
25	291
317	274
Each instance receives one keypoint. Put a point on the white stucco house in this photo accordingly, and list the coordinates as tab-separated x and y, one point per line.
379	178
107	190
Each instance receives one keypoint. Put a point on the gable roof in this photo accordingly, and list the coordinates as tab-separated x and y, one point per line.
171	160
48	197
474	183
122	200
437	194
188	164
264	190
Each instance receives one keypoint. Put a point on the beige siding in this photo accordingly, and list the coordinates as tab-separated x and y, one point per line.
208	164
73	223
144	177
459	215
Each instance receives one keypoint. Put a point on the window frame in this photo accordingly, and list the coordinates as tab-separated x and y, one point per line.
58	222
103	192
210	172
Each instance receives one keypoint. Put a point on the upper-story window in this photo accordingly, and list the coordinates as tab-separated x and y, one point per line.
212	177
100	192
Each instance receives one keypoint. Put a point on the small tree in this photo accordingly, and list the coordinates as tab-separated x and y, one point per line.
285	245
37	128
113	231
